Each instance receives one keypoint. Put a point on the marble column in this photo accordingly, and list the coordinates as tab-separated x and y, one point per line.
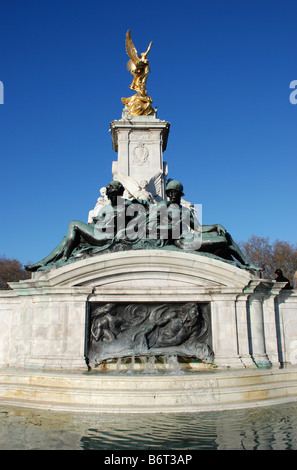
256	331
224	331
242	331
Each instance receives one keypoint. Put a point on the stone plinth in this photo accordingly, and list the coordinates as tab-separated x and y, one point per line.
43	320
140	142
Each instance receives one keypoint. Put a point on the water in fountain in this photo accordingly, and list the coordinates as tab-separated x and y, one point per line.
173	365
148	365
132	365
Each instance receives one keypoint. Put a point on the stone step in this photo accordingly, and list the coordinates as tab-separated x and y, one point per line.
79	378
96	392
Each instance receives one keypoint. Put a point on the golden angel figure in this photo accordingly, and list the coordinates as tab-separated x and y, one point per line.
139	104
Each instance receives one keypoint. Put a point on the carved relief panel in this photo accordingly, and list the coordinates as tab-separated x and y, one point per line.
116	330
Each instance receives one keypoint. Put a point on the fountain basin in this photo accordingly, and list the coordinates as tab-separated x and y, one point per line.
123	392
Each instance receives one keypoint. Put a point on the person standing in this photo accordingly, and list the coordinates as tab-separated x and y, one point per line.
279	277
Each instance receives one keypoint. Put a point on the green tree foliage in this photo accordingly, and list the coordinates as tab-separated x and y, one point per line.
11	270
271	256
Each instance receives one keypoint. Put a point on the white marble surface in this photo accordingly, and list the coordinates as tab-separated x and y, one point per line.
211	390
42	320
140	143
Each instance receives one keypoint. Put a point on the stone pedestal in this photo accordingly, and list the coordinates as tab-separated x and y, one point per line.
140	142
43	320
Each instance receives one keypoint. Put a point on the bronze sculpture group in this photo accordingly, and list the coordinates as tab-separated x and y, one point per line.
140	224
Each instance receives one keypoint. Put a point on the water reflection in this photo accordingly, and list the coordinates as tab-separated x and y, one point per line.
255	429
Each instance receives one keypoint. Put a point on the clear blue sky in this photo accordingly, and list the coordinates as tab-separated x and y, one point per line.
220	74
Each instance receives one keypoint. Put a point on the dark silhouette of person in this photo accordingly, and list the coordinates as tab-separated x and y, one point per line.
279	277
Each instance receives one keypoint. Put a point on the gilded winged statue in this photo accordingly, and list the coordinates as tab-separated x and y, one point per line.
139	104
139	67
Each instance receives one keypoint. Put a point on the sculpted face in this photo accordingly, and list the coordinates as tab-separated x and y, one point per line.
194	311
174	196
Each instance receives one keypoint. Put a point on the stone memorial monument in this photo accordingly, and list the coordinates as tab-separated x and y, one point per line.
143	279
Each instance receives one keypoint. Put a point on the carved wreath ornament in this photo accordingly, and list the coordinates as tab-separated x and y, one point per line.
140	154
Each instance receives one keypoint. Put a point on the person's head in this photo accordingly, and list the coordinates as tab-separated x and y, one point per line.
278	272
143	57
174	191
113	190
192	310
190	313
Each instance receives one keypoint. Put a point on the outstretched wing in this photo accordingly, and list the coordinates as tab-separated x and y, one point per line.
129	183
131	49
155	186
